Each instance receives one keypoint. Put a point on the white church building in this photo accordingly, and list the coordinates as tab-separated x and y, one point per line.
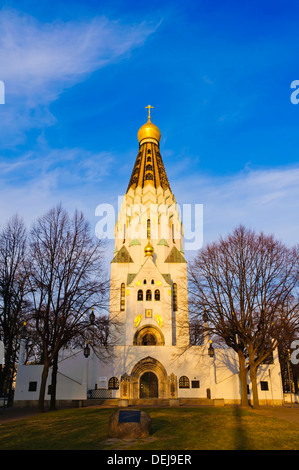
151	357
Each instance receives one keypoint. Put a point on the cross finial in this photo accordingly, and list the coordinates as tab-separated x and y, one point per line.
149	110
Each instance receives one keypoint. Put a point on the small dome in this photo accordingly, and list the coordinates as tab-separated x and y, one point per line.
149	249
149	130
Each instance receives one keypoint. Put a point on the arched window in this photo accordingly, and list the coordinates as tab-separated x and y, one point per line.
149	340
113	383
148	335
149	159
149	176
124	240
157	294
140	294
148	228
149	167
175	297
184	382
144	281
122	296
148	294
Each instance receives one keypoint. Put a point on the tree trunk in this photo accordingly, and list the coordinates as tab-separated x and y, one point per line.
255	397
42	390
54	383
243	379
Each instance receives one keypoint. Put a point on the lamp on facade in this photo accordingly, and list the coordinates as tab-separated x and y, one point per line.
205	316
211	349
24	331
86	350
92	317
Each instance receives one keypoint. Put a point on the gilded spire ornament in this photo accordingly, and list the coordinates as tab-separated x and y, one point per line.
149	131
149	107
149	249
149	167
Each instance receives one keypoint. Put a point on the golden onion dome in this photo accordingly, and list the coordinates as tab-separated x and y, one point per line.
149	130
149	249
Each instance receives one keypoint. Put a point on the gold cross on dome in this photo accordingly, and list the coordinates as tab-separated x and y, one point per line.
149	110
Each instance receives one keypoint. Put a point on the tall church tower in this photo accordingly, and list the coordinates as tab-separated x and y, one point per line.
149	355
148	303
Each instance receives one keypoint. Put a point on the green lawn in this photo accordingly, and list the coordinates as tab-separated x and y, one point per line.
172	429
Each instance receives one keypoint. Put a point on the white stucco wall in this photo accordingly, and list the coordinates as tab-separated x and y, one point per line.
219	374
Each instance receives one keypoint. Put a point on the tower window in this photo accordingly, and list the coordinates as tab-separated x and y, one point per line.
175	297
148	294
122	296
149	167
144	281
148	228
149	176
152	281
149	159
140	295
184	382
157	294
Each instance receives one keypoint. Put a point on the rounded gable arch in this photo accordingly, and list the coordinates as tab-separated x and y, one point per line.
143	331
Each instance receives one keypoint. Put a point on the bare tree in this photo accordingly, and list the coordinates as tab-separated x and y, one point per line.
13	284
67	280
245	283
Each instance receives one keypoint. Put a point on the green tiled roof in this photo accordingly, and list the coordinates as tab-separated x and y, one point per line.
175	257
134	242
122	256
163	242
167	278
130	278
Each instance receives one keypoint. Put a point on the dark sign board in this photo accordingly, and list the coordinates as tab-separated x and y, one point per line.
129	416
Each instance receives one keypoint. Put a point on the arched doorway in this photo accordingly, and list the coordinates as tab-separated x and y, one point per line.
145	365
148	385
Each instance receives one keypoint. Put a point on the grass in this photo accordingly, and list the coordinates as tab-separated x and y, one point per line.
203	428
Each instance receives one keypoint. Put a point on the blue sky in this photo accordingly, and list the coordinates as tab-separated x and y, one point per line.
78	75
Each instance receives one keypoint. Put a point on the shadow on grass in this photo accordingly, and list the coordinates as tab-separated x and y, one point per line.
158	424
241	437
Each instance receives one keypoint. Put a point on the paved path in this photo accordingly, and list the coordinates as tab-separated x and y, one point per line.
14	414
289	413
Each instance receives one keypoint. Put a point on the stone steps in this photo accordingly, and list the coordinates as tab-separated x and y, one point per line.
149	402
196	402
101	402
114	402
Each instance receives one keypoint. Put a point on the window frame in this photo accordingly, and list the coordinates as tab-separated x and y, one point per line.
113	383
148	295
184	382
139	295
264	385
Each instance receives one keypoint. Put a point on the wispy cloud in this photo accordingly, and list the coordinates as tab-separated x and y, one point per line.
36	182
68	167
41	60
264	200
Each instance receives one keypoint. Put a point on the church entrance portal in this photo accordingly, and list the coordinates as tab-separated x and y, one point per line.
148	385
149	379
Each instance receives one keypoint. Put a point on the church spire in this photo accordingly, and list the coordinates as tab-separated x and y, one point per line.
149	167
